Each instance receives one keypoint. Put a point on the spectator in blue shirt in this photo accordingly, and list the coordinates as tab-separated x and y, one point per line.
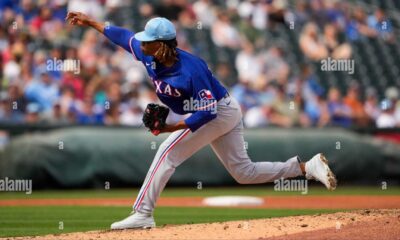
42	91
340	112
381	23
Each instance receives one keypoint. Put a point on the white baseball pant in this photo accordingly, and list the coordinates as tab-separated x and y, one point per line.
225	134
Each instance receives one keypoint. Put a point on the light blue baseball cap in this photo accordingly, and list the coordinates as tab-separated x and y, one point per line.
157	29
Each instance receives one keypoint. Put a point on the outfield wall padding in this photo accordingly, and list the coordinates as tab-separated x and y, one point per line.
91	157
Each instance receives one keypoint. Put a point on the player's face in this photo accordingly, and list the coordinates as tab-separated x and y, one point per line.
150	48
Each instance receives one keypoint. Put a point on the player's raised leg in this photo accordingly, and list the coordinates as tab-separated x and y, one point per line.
230	149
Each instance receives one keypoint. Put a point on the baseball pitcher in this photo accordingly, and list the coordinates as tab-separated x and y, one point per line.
185	84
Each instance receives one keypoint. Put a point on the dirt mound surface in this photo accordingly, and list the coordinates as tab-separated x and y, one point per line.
387	228
361	224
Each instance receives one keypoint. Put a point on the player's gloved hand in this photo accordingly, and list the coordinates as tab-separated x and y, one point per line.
154	118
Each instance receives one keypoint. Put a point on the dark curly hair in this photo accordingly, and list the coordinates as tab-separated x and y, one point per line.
167	52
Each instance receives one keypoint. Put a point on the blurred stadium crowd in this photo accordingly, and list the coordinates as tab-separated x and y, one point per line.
56	74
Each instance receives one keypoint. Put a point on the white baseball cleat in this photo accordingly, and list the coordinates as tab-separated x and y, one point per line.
317	168
135	220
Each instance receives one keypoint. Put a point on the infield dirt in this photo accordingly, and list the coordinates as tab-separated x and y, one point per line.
360	224
271	202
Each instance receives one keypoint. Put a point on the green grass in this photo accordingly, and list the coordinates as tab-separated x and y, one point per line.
194	192
41	220
29	221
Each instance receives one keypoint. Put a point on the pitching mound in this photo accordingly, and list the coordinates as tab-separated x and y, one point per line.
365	224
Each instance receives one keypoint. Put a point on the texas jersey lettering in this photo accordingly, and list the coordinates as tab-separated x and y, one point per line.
166	89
